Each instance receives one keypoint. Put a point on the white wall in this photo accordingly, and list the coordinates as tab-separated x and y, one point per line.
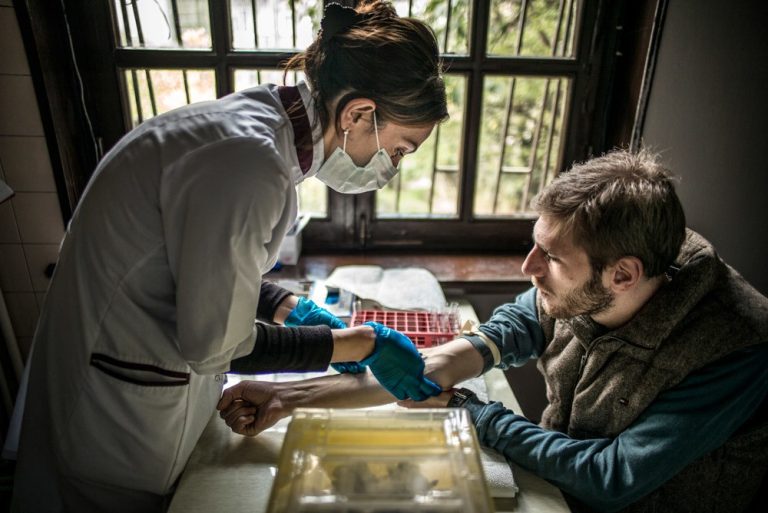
31	226
708	115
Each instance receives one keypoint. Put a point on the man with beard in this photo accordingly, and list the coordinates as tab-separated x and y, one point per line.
652	348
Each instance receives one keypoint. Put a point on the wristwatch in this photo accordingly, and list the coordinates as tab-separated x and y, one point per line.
460	397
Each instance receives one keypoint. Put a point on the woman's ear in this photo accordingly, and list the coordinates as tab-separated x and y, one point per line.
355	110
625	273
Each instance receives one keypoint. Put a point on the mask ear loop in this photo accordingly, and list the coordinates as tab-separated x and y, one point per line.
376	129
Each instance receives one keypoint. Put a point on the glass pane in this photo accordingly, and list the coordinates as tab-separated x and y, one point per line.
520	141
428	182
313	194
154	91
448	18
274	24
163	23
536	28
245	78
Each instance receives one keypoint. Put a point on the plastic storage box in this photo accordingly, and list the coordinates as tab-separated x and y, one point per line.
425	329
377	461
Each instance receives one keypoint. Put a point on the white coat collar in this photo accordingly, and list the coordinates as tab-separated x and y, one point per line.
318	152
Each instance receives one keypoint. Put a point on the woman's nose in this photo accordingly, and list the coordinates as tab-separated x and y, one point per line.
534	263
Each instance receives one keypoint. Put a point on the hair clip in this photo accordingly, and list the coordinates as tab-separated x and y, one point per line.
336	19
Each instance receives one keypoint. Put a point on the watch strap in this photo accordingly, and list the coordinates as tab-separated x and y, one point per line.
485	346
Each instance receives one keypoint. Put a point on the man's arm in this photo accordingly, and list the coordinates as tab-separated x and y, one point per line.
250	407
514	328
608	474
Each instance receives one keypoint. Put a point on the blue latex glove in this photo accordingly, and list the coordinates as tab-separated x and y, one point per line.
398	366
348	367
307	313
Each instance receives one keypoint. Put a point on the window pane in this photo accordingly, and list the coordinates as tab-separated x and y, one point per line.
154	91
313	194
448	18
245	78
520	141
540	28
279	24
428	182
163	23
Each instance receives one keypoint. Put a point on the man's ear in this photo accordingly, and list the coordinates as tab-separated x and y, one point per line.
625	273
355	110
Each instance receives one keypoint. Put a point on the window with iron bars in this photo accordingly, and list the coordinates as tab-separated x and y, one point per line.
522	79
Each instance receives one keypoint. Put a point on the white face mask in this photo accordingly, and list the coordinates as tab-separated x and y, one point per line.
341	174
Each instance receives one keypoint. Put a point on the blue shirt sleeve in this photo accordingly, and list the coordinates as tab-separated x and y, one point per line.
515	329
683	424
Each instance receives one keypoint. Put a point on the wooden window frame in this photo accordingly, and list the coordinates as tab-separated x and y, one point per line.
605	90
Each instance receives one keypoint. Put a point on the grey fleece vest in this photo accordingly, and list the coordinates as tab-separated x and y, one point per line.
599	382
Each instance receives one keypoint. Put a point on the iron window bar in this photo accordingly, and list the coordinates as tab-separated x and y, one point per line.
177	28
510	106
540	120
540	123
134	76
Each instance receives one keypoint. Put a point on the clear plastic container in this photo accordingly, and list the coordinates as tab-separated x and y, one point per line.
377	461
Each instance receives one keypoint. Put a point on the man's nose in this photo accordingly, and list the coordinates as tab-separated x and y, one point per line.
534	263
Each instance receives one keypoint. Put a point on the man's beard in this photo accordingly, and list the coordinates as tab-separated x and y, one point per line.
589	299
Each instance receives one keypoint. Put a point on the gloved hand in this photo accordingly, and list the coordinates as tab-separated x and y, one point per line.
307	313
348	367
398	366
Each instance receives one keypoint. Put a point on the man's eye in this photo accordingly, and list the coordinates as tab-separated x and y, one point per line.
548	257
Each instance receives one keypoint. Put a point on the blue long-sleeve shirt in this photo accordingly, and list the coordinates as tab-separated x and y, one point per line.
681	425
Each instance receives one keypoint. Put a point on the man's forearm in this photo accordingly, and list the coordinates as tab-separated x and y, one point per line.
446	365
250	407
338	391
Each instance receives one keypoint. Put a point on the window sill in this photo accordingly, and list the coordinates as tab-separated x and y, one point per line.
464	270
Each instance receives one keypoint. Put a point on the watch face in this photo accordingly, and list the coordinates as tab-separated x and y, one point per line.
459	397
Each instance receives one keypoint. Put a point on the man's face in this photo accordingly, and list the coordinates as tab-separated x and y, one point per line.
561	272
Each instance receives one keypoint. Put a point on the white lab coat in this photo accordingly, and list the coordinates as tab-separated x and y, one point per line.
157	281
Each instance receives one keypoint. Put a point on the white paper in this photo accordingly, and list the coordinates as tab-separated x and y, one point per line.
409	288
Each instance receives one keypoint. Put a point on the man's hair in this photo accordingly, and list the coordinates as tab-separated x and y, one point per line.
621	204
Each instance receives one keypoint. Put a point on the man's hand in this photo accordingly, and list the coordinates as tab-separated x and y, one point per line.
250	407
398	365
438	401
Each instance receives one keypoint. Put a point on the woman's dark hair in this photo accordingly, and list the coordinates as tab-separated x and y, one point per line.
393	61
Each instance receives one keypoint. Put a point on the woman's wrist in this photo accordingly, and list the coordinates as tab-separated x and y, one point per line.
285	308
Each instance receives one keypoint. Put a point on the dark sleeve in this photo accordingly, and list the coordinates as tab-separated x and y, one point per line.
515	329
281	349
270	297
681	425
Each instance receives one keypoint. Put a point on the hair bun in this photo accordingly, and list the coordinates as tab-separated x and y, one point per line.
336	19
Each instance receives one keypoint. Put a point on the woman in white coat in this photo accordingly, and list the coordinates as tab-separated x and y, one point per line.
158	281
